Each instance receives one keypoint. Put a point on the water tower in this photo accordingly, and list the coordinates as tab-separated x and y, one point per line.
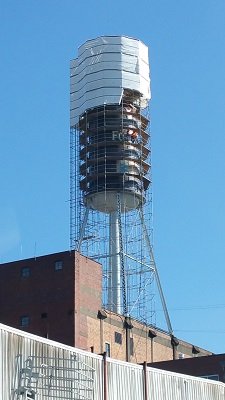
110	199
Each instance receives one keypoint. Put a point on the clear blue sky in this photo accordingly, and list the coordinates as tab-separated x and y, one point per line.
187	56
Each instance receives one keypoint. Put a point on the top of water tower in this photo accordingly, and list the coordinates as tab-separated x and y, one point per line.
105	66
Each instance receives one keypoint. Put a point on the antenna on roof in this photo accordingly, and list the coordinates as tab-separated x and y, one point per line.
35	248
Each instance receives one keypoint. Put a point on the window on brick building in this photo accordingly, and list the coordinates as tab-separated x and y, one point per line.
131	346
24	321
58	265
107	349
44	315
25	272
118	338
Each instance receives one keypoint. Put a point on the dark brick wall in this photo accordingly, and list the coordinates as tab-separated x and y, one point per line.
46	296
57	302
197	366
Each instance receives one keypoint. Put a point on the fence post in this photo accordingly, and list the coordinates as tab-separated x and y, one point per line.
105	388
145	381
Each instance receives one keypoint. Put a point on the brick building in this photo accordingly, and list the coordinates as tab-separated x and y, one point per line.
210	367
58	296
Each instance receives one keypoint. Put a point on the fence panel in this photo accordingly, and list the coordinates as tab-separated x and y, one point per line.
46	370
125	381
164	385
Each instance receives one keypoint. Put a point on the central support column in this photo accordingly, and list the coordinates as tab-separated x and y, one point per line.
114	283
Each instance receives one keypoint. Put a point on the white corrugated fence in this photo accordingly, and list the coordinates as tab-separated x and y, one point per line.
36	368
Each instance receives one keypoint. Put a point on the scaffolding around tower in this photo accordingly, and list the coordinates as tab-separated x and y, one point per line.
110	175
113	166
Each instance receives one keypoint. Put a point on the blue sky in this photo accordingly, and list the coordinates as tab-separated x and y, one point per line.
187	57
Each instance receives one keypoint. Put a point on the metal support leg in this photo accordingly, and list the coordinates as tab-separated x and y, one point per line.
165	310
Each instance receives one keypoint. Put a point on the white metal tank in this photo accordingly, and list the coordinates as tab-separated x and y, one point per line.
110	87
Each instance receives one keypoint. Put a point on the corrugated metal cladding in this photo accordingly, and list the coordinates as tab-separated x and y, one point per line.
104	67
37	368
